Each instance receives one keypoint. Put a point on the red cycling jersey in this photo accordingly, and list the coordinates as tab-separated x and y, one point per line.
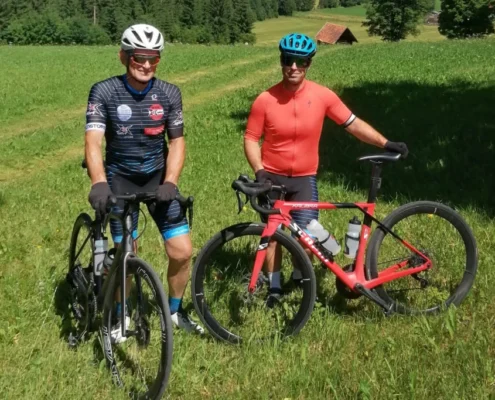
291	123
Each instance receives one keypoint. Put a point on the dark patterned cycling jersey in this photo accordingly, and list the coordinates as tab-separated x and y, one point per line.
135	122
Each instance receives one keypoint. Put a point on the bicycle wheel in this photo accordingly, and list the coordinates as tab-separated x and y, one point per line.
442	235
221	276
143	361
82	298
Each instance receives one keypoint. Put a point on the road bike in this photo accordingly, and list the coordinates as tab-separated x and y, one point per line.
140	359
421	258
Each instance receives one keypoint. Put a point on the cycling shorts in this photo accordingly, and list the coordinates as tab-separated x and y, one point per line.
299	188
160	212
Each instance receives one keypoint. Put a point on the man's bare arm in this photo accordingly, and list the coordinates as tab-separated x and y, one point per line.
253	154
175	159
94	159
366	133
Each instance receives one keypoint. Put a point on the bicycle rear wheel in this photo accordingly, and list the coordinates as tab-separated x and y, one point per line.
221	276
82	298
443	236
143	361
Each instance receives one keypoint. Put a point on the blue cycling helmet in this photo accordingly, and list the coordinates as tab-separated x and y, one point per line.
297	44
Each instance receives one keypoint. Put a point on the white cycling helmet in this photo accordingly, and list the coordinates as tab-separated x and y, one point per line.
142	36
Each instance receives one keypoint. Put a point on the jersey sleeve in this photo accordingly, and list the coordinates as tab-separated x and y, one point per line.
256	120
337	110
175	120
96	112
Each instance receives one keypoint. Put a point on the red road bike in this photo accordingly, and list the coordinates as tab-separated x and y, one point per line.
420	259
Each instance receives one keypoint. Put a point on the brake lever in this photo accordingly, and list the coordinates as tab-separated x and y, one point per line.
240	204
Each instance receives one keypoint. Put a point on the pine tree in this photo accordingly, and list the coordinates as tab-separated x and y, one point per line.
286	7
221	19
395	20
243	16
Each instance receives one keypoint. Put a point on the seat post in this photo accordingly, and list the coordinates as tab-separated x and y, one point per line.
376	180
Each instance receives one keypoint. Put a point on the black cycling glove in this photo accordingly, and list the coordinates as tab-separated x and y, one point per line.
166	192
262	176
397	147
99	197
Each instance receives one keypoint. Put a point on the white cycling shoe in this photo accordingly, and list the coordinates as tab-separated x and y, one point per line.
182	321
116	333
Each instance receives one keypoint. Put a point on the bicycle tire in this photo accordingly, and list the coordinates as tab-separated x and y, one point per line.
82	300
122	366
450	232
204	303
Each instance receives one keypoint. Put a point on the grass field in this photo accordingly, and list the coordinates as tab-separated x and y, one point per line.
269	32
436	96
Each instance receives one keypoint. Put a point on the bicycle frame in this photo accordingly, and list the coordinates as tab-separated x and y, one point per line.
124	251
355	280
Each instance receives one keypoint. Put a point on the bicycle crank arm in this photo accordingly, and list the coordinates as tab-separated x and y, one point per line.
387	308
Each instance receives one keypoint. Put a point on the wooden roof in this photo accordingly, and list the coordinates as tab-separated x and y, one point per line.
331	33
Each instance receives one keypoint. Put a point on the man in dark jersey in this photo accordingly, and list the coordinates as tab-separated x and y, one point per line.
133	112
289	116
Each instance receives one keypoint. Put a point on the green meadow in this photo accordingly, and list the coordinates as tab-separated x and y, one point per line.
270	31
437	96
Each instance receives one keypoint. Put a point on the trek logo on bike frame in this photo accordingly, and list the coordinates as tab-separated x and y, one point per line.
307	239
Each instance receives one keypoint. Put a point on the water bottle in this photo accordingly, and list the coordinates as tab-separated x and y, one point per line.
327	240
101	247
352	237
109	257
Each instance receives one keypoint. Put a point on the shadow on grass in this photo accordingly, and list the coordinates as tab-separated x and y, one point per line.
450	133
62	308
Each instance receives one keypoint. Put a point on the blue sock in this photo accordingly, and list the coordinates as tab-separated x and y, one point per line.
174	304
118	309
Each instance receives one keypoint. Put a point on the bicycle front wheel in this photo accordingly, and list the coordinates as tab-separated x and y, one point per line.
220	281
444	237
141	360
82	299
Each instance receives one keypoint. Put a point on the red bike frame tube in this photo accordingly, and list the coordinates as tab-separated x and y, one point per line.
350	279
274	222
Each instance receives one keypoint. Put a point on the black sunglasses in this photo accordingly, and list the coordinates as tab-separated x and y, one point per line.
301	62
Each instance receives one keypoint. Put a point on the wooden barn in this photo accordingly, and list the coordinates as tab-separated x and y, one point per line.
333	34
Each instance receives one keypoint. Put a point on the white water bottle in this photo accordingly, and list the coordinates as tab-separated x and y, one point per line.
352	237
101	247
327	240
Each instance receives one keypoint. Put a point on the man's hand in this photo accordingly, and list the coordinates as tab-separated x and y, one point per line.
397	147
262	176
98	198
166	192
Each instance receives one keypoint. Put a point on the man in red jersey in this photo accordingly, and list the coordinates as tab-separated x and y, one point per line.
289	116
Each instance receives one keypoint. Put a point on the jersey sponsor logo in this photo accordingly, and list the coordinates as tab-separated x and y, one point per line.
179	120
155	112
94	109
154	97
124	130
154	131
124	112
95	126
